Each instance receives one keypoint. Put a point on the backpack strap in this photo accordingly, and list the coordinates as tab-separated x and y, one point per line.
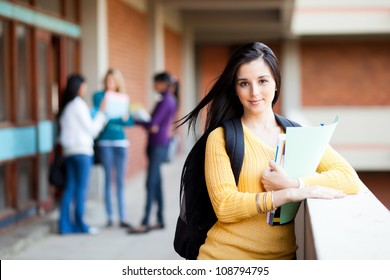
234	142
284	122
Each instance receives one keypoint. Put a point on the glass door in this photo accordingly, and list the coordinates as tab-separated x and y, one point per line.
44	77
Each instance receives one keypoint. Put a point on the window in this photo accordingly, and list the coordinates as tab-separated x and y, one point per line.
71	56
52	6
43	175
43	104
25	193
70	10
24	1
4	72
23	37
3	191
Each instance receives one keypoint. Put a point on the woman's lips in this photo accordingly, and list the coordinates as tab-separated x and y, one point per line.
255	102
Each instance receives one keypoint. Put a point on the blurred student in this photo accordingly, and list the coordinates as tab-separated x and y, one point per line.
112	147
77	131
158	140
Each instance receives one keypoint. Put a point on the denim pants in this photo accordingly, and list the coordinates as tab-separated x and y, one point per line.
71	220
156	156
114	160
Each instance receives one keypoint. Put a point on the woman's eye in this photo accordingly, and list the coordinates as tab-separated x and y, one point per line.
244	84
263	81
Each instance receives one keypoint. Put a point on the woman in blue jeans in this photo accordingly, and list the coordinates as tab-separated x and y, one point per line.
112	148
158	140
77	130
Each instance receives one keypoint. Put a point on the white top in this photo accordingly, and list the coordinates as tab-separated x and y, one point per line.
78	129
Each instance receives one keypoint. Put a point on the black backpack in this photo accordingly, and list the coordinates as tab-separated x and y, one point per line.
197	215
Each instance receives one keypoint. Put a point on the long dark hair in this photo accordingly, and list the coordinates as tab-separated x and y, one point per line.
222	100
71	90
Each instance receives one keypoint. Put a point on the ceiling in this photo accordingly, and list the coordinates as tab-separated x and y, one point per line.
231	21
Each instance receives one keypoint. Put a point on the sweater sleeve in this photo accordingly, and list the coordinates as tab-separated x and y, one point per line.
230	205
335	172
92	126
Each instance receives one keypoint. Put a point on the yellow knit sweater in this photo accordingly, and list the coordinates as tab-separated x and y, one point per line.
241	232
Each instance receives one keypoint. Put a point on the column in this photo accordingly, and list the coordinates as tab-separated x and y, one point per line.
94	43
291	79
156	39
189	91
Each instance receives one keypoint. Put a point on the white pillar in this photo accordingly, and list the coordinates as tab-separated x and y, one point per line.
291	80
94	43
94	64
102	39
190	99
156	43
291	108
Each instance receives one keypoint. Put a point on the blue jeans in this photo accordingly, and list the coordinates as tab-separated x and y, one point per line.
113	160
71	220
156	155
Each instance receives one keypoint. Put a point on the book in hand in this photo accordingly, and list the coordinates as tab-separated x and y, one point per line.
117	104
139	113
273	217
303	151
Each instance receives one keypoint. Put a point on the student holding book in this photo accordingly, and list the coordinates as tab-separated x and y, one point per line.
77	131
112	145
248	88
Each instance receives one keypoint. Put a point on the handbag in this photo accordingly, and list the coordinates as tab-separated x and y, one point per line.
57	169
96	153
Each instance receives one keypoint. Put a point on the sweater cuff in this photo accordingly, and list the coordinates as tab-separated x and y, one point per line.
251	204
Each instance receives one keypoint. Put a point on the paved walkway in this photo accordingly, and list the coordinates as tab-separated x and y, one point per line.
113	243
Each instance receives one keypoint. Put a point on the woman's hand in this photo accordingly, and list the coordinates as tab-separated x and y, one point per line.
295	195
125	117
275	178
102	106
154	129
318	192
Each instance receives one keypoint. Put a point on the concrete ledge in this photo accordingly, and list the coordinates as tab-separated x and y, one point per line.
355	227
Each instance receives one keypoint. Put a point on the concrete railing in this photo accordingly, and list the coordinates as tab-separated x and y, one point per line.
354	227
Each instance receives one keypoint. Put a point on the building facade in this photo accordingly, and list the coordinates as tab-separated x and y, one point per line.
334	57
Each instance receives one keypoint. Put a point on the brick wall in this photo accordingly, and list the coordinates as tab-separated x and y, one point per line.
173	52
128	51
212	60
378	183
345	73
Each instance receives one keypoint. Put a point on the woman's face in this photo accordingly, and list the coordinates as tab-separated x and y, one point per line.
160	86
83	89
111	83
255	87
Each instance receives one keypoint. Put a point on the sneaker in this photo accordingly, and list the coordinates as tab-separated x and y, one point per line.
93	231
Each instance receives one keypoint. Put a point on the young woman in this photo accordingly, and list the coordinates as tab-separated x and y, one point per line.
248	88
77	130
112	147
